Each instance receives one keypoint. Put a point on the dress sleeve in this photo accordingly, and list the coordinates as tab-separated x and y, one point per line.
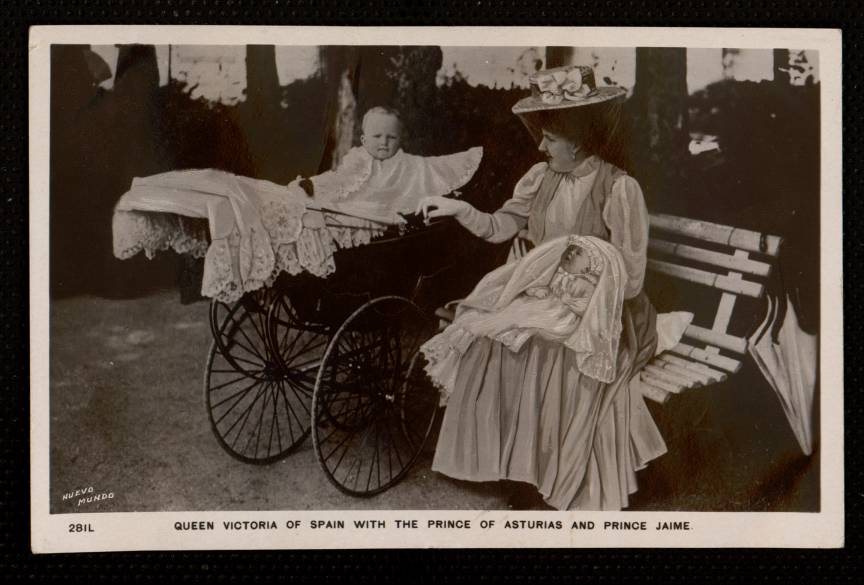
505	223
626	217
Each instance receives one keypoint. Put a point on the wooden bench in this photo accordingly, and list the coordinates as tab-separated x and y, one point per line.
737	263
732	261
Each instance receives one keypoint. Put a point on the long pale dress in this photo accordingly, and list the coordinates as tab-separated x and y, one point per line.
531	415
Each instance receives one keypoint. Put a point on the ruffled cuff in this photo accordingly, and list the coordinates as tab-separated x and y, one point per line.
443	354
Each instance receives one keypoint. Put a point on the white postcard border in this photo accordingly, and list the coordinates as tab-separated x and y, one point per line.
156	530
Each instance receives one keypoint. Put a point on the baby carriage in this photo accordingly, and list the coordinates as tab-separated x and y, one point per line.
337	358
338	294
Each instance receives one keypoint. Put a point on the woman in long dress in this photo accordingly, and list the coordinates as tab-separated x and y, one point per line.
532	416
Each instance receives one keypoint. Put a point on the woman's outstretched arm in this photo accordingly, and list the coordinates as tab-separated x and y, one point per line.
496	227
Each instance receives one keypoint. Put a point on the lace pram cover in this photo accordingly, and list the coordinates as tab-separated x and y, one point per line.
255	230
249	231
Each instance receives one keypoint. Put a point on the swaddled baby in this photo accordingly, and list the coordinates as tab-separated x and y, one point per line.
567	291
574	281
378	180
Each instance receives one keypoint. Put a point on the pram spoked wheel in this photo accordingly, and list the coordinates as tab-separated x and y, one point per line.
373	406
259	408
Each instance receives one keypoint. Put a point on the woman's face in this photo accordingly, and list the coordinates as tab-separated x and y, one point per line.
562	152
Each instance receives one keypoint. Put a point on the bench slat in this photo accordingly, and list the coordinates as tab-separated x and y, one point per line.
699	276
647	390
721	340
727	261
659	382
712	359
697	377
717	233
672	377
697	368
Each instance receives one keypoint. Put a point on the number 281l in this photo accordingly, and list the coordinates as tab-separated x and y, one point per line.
81	528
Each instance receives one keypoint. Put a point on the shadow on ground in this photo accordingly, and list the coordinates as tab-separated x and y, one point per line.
128	418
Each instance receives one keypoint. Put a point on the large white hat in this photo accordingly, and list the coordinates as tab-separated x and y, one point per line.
565	87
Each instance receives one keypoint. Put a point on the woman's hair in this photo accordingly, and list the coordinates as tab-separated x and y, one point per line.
598	128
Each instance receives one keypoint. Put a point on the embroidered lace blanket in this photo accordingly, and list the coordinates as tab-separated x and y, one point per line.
254	229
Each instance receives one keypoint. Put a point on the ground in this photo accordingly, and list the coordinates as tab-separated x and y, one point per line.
128	419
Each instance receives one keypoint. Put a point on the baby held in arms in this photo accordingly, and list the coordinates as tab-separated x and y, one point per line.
379	181
567	291
574	281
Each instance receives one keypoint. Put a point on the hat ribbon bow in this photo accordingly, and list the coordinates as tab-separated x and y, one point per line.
559	86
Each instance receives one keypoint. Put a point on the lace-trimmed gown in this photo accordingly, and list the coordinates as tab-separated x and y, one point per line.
530	415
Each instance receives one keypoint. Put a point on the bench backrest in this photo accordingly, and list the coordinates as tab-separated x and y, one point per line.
716	256
736	262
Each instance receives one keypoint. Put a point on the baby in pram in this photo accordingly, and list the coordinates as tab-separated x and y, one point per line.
256	229
379	181
382	132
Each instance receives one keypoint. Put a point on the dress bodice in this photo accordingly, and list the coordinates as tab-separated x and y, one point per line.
595	199
572	202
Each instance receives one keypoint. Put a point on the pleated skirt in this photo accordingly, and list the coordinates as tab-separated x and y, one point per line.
531	416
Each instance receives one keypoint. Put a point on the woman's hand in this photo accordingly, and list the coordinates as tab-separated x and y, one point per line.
437	206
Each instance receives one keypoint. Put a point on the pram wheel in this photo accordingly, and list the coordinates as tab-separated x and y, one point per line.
298	345
256	412
240	333
373	406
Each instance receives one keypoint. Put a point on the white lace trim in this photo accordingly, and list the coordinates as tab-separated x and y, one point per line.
349	232
142	231
243	263
443	354
471	162
283	220
354	172
233	266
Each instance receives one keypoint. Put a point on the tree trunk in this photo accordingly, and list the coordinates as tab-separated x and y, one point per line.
338	69
781	66
658	109
131	144
260	122
558	56
262	81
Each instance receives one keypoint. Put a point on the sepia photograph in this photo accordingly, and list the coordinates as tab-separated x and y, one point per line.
418	276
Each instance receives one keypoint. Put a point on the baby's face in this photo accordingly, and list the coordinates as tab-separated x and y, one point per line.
575	260
381	136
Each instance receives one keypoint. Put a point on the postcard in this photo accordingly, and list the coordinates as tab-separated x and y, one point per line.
322	287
